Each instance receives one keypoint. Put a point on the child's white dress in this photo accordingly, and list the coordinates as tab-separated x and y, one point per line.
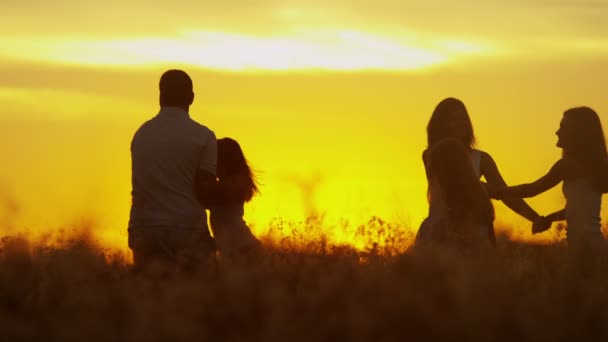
435	227
230	231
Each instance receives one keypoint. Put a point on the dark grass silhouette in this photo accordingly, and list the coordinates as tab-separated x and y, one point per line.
303	291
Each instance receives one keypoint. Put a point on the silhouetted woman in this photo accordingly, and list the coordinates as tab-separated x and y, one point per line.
455	190
583	169
236	185
450	119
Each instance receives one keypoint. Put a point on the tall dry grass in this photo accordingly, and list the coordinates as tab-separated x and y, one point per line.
297	290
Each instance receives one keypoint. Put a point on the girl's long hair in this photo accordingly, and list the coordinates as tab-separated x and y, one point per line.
447	111
230	155
588	146
466	199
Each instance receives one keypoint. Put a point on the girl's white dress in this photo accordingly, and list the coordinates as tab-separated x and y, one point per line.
230	231
435	227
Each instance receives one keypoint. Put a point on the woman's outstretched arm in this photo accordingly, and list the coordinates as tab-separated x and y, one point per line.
546	182
495	181
557	216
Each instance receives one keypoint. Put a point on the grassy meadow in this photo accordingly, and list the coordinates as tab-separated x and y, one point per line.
68	288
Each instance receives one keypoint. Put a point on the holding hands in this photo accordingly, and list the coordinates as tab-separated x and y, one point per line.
539	225
542	224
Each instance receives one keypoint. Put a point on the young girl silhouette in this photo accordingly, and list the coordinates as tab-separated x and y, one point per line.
450	119
583	169
236	185
455	190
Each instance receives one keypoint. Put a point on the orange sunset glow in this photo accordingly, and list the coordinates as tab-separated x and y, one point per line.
329	100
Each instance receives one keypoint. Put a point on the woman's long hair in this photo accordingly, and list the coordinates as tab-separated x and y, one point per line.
466	200
447	112
231	157
587	145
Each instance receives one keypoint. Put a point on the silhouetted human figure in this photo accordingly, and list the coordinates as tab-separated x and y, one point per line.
173	164
455	190
450	119
236	185
583	169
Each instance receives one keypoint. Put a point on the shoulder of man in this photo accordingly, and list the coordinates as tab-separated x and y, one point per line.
425	154
142	128
205	132
144	125
202	128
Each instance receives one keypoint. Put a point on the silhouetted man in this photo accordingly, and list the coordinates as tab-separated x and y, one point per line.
173	161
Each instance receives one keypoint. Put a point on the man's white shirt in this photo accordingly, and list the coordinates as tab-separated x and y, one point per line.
166	153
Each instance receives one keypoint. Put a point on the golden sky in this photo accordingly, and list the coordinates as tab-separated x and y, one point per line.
329	99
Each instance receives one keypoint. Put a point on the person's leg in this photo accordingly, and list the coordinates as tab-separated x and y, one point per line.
195	250
139	245
424	234
150	246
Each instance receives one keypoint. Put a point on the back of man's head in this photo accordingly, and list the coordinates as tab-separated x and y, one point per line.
175	89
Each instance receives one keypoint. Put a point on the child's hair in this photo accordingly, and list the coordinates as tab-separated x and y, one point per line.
588	146
466	200
230	155
447	111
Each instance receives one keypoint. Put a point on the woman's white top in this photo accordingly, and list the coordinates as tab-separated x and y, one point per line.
583	205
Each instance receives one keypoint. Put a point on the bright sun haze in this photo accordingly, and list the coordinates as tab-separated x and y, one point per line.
329	99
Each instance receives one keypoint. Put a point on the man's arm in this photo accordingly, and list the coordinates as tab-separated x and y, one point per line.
206	183
425	162
206	186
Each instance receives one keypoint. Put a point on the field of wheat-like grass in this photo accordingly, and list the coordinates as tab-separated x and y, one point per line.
304	291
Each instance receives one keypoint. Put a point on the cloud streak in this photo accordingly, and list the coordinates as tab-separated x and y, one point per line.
342	50
301	35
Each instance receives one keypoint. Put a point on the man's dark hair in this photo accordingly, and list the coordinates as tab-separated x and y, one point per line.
175	89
